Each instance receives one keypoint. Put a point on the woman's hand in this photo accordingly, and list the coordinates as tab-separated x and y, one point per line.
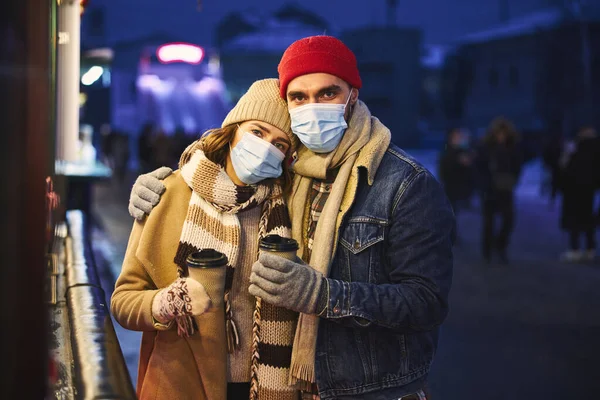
185	296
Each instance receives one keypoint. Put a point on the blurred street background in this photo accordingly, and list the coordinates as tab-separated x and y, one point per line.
499	99
450	81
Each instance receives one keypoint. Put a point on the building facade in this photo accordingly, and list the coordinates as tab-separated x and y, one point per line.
542	73
389	61
251	45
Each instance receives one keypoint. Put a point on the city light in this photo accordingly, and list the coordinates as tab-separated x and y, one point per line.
92	75
180	52
161	87
208	85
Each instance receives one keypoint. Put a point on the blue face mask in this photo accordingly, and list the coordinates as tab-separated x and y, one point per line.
254	159
320	127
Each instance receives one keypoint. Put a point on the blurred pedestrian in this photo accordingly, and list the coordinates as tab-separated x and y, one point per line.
106	145
145	147
499	163
180	142
121	153
162	150
456	170
580	179
550	157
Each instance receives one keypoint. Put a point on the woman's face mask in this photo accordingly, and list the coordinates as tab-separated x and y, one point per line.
254	159
320	127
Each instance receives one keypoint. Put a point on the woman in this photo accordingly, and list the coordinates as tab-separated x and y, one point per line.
227	194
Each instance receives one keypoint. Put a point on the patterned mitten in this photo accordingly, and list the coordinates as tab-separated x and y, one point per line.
183	298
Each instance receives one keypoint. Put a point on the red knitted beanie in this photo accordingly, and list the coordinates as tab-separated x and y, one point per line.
316	54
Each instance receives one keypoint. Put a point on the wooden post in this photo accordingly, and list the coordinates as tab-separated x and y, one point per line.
25	91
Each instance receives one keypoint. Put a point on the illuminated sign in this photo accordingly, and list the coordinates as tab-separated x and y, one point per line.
180	52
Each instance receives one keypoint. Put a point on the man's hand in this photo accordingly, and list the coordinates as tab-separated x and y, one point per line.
146	192
185	296
288	284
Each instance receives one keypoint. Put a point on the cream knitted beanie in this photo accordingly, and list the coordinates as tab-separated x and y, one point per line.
262	103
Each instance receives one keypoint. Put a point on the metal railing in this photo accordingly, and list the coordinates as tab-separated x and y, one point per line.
99	369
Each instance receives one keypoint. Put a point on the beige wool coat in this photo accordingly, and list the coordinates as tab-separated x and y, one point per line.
170	367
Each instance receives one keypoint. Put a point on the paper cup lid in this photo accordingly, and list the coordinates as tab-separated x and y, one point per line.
207	258
277	243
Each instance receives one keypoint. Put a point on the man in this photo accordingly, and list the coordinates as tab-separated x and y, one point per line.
456	168
580	175
499	164
375	230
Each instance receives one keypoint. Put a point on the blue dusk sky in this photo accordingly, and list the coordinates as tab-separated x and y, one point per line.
441	20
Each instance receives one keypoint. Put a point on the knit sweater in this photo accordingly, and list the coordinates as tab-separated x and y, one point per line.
242	303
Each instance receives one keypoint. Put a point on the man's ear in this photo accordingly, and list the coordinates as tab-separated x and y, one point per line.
353	96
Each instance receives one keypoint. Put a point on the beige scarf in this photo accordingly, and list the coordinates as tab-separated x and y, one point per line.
363	131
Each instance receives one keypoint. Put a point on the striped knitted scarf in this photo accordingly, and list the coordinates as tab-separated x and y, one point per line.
212	222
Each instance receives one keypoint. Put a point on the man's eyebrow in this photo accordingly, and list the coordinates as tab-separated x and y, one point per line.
296	93
330	88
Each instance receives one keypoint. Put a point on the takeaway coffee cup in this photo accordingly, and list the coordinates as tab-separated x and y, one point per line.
283	247
208	267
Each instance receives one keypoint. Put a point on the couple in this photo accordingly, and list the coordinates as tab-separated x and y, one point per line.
356	316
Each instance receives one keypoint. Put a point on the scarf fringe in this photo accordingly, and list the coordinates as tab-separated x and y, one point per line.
186	325
233	337
255	349
302	376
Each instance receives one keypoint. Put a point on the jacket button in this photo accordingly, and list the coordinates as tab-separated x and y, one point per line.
357	244
336	310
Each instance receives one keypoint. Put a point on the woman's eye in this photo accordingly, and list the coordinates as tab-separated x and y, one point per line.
257	132
280	147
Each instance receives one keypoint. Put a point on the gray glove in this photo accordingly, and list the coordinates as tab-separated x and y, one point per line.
146	192
288	284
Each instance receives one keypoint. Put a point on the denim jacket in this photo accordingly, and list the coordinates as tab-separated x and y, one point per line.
388	285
